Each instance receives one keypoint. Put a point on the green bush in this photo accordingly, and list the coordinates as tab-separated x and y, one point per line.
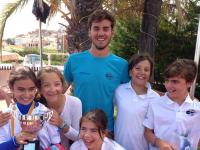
27	51
57	59
11	61
126	38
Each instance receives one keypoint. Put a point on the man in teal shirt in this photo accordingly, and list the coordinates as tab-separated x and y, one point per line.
96	72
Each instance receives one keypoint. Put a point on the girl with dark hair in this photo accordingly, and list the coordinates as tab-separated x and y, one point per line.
93	133
23	85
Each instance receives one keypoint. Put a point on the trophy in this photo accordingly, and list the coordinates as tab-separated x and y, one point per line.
32	124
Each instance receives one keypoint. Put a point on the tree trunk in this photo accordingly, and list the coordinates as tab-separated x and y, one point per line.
77	30
150	23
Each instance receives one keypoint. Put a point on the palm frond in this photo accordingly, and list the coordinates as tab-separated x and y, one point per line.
6	12
54	7
68	4
60	6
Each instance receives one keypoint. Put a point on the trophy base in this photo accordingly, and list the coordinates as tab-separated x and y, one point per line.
32	145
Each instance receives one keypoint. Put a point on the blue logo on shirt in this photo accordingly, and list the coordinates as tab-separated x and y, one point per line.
190	112
109	76
84	73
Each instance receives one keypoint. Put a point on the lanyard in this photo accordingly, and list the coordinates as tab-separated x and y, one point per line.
13	120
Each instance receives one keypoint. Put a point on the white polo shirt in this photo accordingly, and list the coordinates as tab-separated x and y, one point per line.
175	123
132	108
108	144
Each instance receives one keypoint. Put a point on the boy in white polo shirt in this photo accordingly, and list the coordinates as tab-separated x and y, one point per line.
170	121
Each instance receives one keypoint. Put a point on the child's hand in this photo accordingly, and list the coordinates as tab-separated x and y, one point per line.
163	145
23	137
55	119
4	118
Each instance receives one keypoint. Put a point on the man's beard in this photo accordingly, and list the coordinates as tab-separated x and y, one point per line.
100	48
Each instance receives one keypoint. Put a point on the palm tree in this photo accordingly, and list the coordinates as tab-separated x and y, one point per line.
150	24
173	11
76	16
6	13
77	30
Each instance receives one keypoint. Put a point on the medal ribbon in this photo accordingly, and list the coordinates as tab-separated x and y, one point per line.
13	119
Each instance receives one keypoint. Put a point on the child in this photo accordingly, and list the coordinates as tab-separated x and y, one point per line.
23	85
67	109
132	99
93	132
170	121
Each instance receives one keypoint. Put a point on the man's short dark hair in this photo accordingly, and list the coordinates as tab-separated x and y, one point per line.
100	15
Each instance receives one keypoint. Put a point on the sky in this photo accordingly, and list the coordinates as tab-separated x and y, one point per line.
23	21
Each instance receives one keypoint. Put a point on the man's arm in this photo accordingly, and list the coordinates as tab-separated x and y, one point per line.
68	72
